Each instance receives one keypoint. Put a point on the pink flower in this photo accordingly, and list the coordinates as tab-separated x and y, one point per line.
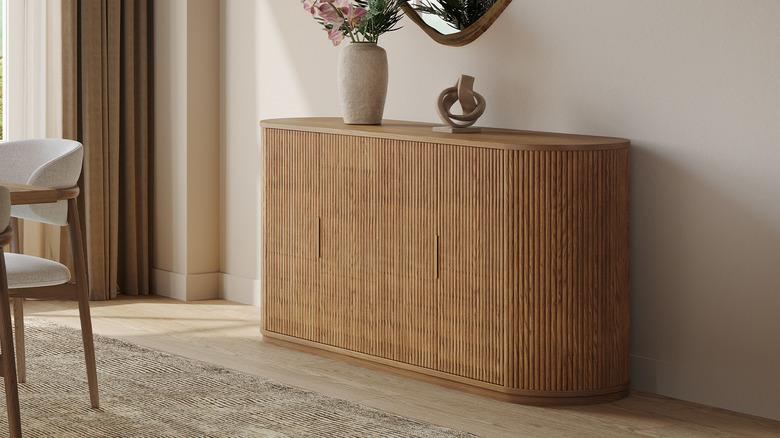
336	36
336	11
341	4
329	14
354	14
310	6
338	16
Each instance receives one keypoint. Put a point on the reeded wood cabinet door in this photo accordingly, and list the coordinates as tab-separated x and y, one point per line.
472	287
347	209
378	224
406	252
292	197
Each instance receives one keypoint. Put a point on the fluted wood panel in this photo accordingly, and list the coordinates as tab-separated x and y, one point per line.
472	209
504	268
406	250
569	283
347	207
292	195
377	269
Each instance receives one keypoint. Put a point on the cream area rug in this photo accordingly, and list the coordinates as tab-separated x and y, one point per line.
148	393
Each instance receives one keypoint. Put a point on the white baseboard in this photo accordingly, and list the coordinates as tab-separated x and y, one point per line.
711	384
239	289
186	287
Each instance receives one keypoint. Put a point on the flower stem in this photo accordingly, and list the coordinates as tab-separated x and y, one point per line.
347	26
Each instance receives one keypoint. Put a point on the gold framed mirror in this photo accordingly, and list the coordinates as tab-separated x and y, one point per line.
454	22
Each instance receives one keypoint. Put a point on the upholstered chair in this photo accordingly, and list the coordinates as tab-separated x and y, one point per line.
6	337
57	164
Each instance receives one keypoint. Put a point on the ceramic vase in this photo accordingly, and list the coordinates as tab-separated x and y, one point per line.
362	83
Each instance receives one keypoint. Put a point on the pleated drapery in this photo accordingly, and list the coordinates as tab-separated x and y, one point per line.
107	105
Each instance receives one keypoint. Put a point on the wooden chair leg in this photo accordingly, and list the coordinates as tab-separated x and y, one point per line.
7	357
18	303
80	268
21	359
16	240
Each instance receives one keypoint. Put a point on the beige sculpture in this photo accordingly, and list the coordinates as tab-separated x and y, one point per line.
471	102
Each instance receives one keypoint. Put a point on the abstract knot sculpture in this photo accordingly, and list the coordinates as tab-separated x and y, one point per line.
472	103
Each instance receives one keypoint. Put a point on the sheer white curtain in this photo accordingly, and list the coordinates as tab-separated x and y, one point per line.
33	87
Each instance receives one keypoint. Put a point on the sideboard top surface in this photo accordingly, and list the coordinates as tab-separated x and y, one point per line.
493	138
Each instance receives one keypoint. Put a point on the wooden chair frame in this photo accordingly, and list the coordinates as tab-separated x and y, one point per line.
8	368
78	291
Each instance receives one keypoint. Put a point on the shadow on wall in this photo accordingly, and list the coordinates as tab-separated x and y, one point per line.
704	266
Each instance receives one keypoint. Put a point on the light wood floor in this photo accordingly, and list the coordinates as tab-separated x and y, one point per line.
228	335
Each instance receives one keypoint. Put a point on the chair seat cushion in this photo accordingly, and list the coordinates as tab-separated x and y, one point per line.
26	271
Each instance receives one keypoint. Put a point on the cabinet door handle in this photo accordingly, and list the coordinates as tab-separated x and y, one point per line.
319	237
437	256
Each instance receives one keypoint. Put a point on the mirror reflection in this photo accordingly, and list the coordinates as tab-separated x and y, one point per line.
451	16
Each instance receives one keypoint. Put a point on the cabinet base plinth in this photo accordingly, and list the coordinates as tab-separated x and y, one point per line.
531	398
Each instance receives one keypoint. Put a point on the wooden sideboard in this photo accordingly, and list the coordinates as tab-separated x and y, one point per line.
497	262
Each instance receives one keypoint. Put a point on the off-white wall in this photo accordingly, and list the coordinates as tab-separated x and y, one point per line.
170	90
240	158
695	84
203	80
187	145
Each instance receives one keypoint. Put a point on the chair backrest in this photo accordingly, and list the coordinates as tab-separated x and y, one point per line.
5	208
44	162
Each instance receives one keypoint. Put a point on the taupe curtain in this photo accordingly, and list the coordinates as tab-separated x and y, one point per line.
107	105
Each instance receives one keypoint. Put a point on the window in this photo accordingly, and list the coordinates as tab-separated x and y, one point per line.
32	70
2	68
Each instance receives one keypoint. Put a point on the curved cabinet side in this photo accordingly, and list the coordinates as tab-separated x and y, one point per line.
568	286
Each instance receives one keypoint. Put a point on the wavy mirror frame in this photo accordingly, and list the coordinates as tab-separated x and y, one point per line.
465	36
